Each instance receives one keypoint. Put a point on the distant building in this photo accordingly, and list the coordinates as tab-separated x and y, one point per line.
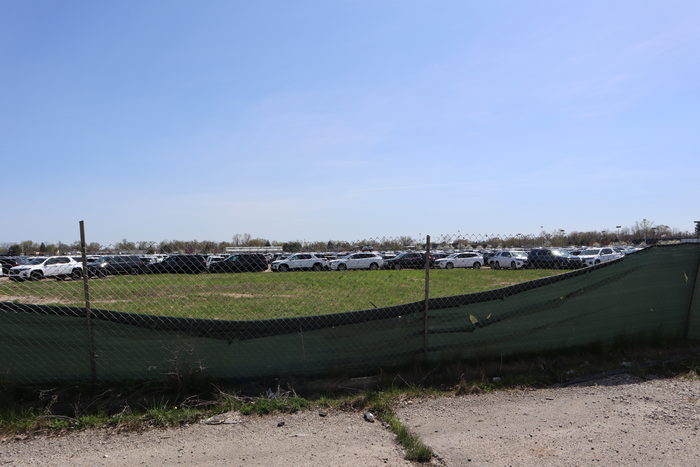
254	249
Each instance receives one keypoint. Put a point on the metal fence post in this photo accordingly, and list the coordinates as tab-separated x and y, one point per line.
88	312
693	300
427	295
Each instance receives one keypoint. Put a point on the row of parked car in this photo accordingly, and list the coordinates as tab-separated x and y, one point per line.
547	258
68	267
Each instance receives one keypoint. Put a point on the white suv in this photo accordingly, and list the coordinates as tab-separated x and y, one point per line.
469	259
512	259
300	261
357	261
59	267
593	256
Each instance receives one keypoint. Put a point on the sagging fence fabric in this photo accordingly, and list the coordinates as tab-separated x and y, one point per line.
650	295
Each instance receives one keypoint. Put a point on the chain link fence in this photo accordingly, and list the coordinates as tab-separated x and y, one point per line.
333	307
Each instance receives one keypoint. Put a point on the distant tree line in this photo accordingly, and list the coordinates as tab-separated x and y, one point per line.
644	231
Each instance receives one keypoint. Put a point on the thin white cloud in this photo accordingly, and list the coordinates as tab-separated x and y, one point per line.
377	189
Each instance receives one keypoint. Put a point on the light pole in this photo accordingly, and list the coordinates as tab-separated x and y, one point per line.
618	227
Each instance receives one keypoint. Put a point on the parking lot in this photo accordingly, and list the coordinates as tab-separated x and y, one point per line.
250	285
66	267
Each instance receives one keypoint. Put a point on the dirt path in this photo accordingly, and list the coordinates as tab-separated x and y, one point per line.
620	420
616	421
306	438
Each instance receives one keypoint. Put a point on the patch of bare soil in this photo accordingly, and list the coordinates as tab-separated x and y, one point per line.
246	295
620	420
505	283
33	300
306	438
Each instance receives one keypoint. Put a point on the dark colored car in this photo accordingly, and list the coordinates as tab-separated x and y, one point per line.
116	265
179	264
244	262
98	267
488	255
408	260
6	264
552	258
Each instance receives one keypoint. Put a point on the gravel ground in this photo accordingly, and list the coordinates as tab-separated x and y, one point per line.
306	438
620	420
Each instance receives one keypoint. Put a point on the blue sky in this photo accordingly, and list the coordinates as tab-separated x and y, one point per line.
346	119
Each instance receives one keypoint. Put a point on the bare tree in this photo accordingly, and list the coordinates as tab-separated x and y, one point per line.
125	245
29	247
93	247
207	246
146	246
236	240
642	229
165	246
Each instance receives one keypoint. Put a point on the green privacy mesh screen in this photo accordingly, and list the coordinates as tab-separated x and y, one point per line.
649	295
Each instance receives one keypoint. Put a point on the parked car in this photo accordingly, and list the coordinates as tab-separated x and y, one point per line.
116	265
357	261
593	256
211	259
408	260
58	267
241	262
152	258
470	259
6	264
552	258
179	264
512	259
332	256
277	256
302	261
97	267
487	255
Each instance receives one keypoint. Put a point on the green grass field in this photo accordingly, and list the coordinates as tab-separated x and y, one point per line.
262	295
